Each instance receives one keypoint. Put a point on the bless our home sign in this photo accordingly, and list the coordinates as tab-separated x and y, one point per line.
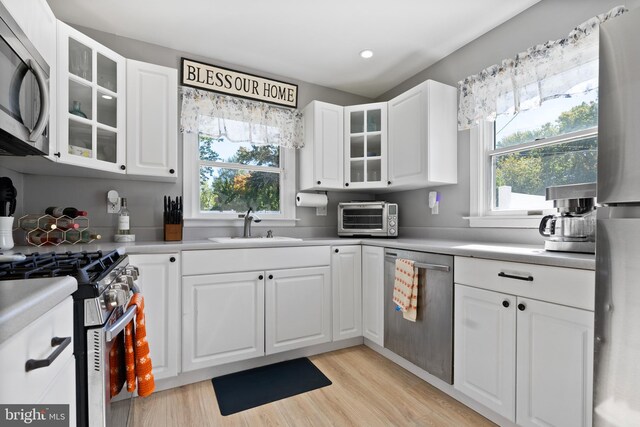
223	80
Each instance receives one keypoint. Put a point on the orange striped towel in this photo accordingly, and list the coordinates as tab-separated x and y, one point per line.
405	288
137	359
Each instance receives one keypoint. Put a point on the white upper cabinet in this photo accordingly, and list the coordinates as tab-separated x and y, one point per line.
152	120
321	166
91	103
423	137
365	146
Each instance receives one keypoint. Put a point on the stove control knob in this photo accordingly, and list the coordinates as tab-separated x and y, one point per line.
132	271
126	280
121	297
111	298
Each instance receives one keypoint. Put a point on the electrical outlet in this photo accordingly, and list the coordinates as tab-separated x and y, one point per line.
113	202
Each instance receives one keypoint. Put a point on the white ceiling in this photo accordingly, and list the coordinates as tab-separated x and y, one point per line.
313	41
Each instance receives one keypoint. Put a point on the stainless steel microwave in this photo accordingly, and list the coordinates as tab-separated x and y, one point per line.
375	219
24	92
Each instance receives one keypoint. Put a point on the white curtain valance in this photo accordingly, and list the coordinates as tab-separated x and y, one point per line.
240	120
546	71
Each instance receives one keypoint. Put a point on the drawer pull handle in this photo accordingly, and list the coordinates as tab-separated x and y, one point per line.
513	276
60	343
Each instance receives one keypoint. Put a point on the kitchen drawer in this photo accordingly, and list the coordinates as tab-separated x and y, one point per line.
252	259
34	342
567	286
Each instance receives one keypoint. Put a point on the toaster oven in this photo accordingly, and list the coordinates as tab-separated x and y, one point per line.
375	219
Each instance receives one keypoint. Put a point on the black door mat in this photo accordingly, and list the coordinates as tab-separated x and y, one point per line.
247	389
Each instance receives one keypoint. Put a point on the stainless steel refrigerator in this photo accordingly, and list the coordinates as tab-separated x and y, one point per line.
617	316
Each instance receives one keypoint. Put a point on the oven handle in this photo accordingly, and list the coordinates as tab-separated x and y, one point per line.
43	119
112	331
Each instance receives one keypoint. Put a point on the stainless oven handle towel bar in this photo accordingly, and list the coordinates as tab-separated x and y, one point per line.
424	265
120	324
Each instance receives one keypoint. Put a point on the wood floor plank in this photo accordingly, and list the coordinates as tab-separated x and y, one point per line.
367	390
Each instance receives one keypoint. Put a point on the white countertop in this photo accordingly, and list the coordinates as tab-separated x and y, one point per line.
23	301
532	254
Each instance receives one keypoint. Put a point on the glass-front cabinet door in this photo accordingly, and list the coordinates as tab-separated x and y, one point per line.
91	103
365	144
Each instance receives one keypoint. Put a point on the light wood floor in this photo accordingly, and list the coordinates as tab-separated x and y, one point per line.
367	390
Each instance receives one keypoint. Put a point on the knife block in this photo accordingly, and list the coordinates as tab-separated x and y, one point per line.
172	232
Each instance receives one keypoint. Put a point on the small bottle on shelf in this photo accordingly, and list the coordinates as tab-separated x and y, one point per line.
70	212
123	218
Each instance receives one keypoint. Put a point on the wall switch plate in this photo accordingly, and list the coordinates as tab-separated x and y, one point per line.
113	202
434	202
321	211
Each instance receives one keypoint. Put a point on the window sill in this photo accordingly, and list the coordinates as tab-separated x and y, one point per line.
504	221
238	222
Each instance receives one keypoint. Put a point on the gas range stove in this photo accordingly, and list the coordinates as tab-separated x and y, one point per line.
106	282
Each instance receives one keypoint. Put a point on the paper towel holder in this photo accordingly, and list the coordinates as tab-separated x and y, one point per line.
322	210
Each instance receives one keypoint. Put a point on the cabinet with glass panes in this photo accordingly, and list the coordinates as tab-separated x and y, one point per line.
91	103
365	140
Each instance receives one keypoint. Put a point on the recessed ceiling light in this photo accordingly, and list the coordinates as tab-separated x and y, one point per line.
366	54
107	96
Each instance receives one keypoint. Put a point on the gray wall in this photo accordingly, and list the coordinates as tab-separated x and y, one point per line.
547	20
145	198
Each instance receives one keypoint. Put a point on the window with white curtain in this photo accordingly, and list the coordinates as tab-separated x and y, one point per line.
238	154
534	124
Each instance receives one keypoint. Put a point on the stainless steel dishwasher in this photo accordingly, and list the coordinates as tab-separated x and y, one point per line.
428	342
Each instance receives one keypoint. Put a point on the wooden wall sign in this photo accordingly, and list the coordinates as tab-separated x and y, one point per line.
223	80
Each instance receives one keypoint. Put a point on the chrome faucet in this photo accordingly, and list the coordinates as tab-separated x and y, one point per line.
248	218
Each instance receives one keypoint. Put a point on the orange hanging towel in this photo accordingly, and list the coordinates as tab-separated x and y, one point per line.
137	357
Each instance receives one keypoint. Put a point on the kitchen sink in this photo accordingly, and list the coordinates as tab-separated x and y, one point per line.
241	240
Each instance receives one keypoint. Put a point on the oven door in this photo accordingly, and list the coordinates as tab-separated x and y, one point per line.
362	220
108	399
24	93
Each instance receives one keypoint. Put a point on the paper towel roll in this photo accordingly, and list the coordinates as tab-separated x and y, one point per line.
311	200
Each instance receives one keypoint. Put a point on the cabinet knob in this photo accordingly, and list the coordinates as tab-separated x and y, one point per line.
123	167
270	276
521	307
505	303
172	171
319	182
346	184
337	250
57	154
388	182
172	259
260	277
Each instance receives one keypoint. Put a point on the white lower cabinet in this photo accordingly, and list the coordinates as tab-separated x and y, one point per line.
373	294
46	385
223	318
297	308
555	365
346	284
529	361
485	348
159	283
